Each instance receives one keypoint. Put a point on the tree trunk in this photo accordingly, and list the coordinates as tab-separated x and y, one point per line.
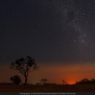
26	78
25	82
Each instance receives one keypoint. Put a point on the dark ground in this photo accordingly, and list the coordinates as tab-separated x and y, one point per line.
47	88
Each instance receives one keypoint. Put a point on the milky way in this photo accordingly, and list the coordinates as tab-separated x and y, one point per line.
48	30
77	15
72	17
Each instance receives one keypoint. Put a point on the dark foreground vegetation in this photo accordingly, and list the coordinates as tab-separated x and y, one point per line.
6	87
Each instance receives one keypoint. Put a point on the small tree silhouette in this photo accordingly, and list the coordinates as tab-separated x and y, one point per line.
44	81
15	79
64	82
23	65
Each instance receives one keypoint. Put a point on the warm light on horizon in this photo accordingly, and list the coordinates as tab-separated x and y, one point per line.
71	73
71	82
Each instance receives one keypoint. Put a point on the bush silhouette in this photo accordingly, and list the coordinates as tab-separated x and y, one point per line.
43	81
86	81
15	79
64	82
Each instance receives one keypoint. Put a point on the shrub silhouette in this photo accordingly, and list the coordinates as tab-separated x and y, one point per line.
23	65
64	82
44	81
93	81
83	81
86	81
15	79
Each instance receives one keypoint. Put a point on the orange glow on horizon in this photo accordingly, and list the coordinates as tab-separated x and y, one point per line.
71	73
71	82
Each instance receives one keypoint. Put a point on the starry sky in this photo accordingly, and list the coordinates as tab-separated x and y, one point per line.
48	30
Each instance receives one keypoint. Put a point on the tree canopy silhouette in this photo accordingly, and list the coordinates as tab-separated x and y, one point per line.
23	65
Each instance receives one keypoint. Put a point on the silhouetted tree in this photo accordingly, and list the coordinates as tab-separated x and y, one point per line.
15	79
44	81
23	65
64	82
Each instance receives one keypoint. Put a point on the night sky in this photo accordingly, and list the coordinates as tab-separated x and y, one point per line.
59	34
48	30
